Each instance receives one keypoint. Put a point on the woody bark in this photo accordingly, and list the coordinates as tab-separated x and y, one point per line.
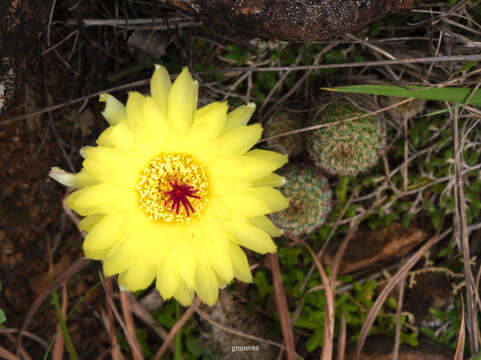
20	27
291	20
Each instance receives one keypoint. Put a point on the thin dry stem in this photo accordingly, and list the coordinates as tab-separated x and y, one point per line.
129	324
176	328
282	307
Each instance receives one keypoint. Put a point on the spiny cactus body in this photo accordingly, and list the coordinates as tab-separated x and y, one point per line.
405	111
230	312
350	147
309	200
282	122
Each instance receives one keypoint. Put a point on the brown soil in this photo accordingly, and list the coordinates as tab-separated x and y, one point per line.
31	221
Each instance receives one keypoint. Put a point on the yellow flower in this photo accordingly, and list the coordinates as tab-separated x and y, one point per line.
172	192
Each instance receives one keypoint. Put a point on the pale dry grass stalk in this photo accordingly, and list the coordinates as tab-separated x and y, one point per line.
461	228
459	355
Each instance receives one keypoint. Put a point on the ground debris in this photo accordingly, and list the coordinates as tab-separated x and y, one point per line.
381	348
371	248
299	20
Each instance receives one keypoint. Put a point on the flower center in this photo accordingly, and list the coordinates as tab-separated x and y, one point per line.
172	188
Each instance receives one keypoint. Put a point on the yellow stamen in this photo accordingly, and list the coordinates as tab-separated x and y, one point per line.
155	185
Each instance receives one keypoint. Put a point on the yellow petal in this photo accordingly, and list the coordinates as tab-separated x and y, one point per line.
63	177
251	237
239	117
160	85
184	294
206	154
155	123
103	236
223	185
255	201
252	166
208	123
222	282
117	136
139	276
217	249
146	240
241	139
272	197
196	96
271	158
168	278
114	111
135	103
218	209
215	112
101	198
240	263
273	180
185	258
265	224
84	178
81	179
181	102
111	166
206	284
118	261
88	222
246	203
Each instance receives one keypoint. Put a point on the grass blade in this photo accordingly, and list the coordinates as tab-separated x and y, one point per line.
450	94
63	327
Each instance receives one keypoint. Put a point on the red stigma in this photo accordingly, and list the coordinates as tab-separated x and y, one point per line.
178	195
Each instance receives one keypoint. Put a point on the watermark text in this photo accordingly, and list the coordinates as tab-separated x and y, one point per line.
237	348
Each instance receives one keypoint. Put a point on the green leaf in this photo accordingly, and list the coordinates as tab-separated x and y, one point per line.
237	54
342	188
392	302
63	328
193	346
262	284
477	356
315	340
451	94
436	219
3	318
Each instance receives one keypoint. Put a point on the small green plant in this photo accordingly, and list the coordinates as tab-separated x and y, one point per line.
186	342
353	305
350	147
451	319
309	200
282	122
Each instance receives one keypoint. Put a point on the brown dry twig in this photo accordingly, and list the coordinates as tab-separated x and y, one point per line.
7	355
109	324
281	303
327	348
110	302
129	324
177	326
